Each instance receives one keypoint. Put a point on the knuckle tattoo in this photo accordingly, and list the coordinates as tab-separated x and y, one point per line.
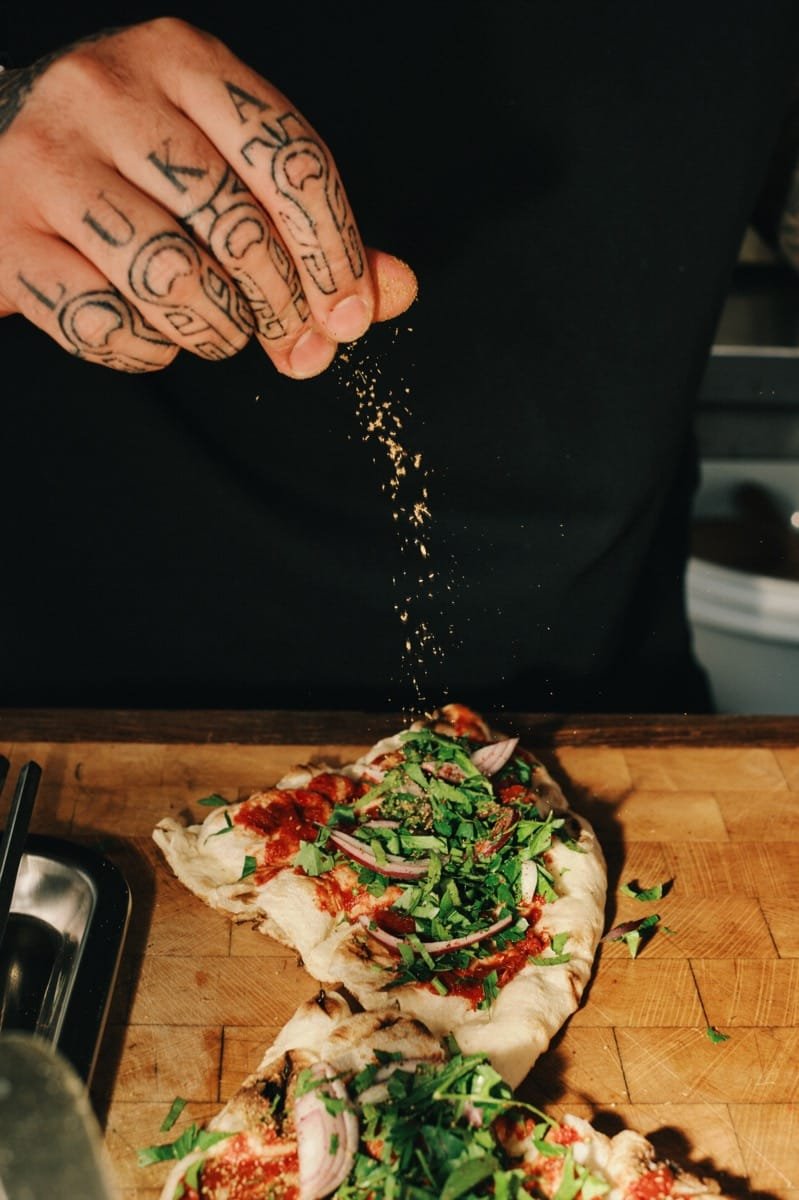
103	327
315	211
166	272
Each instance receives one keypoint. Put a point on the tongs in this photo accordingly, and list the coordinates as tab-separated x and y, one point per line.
16	831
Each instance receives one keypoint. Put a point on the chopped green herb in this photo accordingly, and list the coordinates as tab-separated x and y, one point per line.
559	941
249	867
213	801
633	933
657	892
178	1104
490	989
226	827
714	1035
312	860
192	1138
468	1175
550	960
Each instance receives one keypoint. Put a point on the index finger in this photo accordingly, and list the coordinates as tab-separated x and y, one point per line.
289	169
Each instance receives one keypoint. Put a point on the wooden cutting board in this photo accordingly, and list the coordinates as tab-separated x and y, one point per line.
198	999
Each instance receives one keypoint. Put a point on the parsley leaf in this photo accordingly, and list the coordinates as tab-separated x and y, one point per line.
312	860
714	1035
213	801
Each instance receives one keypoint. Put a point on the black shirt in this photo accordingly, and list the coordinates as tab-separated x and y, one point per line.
571	184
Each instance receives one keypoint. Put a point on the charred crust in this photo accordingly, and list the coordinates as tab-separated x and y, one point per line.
389	1021
275	1092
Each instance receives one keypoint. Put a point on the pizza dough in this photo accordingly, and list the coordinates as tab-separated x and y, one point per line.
511	996
350	1104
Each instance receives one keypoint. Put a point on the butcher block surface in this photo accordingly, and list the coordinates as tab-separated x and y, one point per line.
711	805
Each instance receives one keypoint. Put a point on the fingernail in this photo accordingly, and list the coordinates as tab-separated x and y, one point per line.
311	354
349	319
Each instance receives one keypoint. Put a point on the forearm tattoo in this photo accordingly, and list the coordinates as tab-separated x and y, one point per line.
17	84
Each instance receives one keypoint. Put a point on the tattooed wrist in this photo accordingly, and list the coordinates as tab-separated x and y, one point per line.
18	83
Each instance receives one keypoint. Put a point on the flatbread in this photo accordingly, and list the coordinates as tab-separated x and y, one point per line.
372	1104
519	986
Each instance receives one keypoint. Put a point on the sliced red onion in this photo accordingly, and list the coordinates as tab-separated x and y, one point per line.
326	1142
457	943
618	931
473	1114
491	758
381	823
393	867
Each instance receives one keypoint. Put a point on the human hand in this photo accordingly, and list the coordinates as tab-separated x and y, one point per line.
160	195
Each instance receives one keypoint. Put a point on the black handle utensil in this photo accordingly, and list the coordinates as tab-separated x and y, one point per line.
16	832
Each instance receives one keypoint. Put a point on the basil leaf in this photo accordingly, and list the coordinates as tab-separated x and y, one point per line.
213	801
714	1035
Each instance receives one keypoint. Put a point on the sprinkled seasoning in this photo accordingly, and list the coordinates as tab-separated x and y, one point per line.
381	410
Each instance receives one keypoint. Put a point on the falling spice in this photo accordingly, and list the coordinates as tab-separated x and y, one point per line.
382	409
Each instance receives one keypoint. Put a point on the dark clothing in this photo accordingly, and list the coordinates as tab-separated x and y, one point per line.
571	184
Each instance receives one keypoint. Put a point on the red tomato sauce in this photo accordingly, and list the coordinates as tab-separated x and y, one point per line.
284	817
563	1135
468	982
652	1186
238	1174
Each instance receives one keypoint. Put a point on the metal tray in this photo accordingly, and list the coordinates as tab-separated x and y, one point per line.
63	942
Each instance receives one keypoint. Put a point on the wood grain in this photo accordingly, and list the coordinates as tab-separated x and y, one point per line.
710	806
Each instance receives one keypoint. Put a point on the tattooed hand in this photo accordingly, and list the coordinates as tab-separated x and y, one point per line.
159	195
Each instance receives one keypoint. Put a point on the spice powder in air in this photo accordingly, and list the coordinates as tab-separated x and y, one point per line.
380	413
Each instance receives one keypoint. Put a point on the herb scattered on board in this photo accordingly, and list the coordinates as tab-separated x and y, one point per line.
178	1104
633	933
192	1138
213	801
714	1035
652	893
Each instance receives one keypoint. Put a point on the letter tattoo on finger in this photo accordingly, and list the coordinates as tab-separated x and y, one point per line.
169	271
102	327
236	230
317	210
